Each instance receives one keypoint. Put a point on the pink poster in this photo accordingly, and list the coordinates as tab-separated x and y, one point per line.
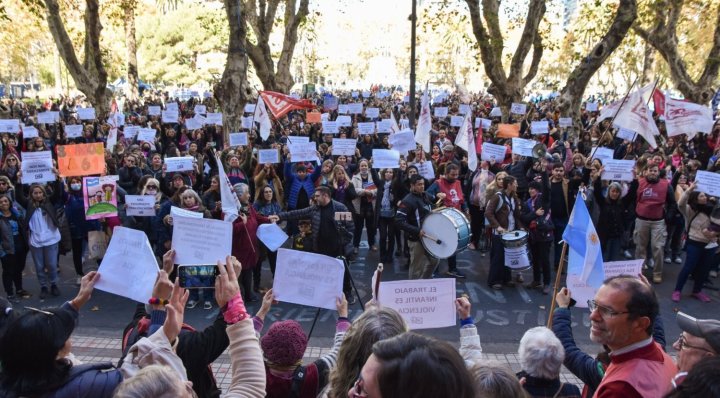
100	196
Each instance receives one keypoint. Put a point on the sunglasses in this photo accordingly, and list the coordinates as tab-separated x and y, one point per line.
151	187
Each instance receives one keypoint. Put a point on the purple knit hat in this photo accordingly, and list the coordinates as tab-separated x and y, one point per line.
284	344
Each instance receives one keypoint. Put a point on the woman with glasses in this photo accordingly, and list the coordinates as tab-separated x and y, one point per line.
11	167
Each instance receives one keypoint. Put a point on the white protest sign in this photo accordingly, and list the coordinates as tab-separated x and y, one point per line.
424	303
249	108
366	94
48	117
86	113
618	170
708	182
178	212
403	141
496	112
540	127
384	126
146	134
303	151
199	241
485	123
440	111
522	146
627	267
172	106
140	205
246	122
214	118
406	99
344	121
308	278
581	291
626	134
464	109
354	94
456	121
591	106
268	156
272	236
356	108
565	122
324	117
372	113
237	139
37	167
154	110
518	108
330	127
200	109
180	163
76	130
492	151
296	139
426	170
366	128
342	109
9	126
30	132
129	253
344	146
169	116
193	123
385	159
602	153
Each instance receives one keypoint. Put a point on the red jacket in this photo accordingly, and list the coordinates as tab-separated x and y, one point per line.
643	372
244	239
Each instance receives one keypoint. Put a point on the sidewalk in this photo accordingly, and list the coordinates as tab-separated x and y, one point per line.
97	349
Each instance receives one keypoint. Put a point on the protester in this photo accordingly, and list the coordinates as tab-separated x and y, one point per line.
702	381
412	210
79	225
541	356
13	250
363	206
541	235
493	380
700	338
503	214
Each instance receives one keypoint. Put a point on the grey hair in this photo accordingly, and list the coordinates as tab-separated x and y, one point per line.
495	380
240	188
191	192
152	381
541	353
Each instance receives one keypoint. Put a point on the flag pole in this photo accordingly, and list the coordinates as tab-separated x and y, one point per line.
614	116
557	284
652	94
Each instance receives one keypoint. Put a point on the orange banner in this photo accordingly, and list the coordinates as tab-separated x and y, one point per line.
313	117
508	130
81	159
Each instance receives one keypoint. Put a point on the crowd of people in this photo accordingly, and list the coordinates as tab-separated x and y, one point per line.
325	205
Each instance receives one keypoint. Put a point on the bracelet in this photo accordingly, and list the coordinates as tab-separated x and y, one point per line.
156	301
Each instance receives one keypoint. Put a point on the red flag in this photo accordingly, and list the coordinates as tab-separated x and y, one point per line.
479	139
280	104
659	101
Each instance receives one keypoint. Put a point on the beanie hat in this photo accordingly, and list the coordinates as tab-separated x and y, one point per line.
284	344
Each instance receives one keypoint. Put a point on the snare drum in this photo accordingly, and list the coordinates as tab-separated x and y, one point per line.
451	227
516	250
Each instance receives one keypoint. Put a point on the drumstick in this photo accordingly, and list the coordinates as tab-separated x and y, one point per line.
434	239
378	276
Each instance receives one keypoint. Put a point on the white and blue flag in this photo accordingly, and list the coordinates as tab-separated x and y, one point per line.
585	262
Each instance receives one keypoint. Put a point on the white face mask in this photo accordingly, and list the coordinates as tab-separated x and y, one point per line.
75	187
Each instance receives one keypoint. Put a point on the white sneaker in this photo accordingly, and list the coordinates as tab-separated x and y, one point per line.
627	254
191	304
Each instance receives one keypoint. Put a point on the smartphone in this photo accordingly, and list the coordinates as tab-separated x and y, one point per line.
197	276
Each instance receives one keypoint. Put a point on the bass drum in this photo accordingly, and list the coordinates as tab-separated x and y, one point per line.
451	227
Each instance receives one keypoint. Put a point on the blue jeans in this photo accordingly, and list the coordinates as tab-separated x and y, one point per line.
46	257
698	261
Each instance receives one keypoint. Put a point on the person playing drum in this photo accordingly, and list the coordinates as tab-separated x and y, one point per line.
503	213
413	208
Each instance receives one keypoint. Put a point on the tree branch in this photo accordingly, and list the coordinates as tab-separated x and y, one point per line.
538	49
536	11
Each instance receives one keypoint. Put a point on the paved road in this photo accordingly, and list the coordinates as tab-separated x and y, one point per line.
502	316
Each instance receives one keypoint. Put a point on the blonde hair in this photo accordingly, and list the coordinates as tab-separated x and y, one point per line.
148	182
152	381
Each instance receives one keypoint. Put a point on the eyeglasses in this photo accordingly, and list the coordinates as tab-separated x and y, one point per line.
150	186
605	312
682	344
357	389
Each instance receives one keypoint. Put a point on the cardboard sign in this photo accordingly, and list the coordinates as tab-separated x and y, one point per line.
37	167
81	159
508	130
100	197
313	117
424	303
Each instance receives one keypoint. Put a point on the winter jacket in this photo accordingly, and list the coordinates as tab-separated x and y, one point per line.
261	182
75	212
6	234
295	184
364	194
244	238
412	208
345	229
128	178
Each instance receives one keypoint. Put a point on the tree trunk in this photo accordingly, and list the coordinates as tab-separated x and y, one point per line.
230	91
571	95
663	37
507	88
261	18
648	72
131	44
90	77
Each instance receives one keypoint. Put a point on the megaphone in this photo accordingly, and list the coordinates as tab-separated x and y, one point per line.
539	151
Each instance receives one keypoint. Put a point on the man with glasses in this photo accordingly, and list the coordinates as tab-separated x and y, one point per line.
622	316
700	338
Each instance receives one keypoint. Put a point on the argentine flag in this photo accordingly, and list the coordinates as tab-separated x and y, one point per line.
585	262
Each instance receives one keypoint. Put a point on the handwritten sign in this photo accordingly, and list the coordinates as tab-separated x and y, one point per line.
708	182
372	113
618	170
10	126
86	113
522	146
456	121
154	110
140	205
540	127
518	108
440	111
366	128
129	253
308	279
81	159
76	130
180	163
199	241
403	141
237	139
425	169
627	267
344	146
330	127
37	167
565	122
268	156
424	303
100	197
492	152
385	159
